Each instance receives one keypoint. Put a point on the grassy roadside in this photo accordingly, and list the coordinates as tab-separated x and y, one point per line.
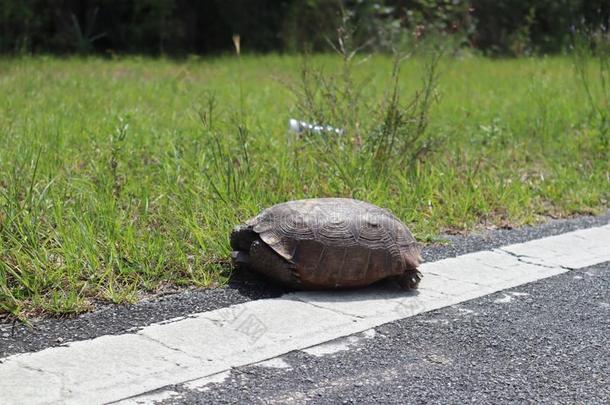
119	177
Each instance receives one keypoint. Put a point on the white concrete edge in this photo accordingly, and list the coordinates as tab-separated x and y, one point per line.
193	349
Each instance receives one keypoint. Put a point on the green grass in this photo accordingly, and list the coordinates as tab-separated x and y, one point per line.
115	182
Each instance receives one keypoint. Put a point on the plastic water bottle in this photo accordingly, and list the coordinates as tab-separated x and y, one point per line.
298	127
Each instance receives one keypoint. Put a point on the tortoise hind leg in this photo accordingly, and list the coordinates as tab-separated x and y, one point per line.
409	279
266	261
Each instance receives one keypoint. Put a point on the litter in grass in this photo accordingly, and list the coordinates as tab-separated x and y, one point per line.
299	127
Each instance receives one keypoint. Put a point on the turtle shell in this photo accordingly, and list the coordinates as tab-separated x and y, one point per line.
337	242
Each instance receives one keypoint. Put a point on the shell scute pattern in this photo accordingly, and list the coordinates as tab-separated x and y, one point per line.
337	242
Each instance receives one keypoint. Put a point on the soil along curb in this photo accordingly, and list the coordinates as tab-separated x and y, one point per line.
111	368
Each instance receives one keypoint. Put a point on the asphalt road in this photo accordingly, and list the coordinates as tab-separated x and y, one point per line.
118	319
544	342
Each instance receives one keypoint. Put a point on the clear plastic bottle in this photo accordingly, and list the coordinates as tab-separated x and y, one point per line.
299	127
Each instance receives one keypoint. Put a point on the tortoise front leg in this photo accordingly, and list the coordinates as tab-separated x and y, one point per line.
242	237
240	259
267	262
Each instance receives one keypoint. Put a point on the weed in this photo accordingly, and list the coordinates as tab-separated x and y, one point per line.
116	143
594	46
376	136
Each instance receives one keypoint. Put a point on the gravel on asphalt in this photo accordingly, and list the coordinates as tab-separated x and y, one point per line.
543	342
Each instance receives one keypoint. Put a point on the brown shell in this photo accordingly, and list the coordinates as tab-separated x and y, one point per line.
338	242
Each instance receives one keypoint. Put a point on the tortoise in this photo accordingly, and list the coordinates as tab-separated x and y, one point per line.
324	243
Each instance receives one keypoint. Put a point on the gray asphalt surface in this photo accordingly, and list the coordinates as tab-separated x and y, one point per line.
545	342
117	319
